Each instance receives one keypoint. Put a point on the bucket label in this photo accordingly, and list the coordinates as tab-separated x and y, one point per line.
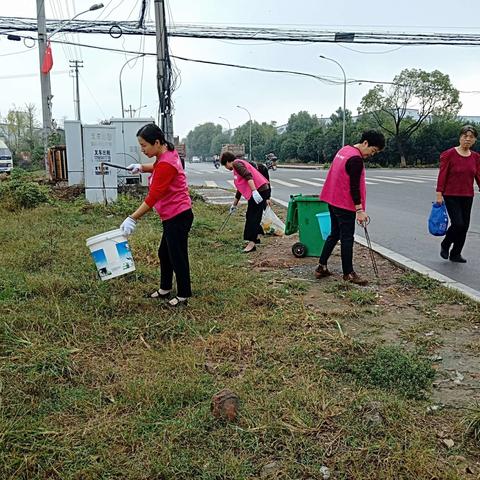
100	260
125	255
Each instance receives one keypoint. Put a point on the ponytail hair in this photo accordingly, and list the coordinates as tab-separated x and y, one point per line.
151	133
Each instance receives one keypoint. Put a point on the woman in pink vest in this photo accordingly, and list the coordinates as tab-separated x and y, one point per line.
250	183
345	192
168	195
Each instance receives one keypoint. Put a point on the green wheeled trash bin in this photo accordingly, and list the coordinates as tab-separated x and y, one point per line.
301	217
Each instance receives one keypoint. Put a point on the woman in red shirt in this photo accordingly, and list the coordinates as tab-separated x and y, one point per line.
168	195
459	167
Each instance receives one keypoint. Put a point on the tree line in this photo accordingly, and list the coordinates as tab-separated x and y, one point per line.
418	113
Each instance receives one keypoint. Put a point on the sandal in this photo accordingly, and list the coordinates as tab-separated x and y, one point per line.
175	302
158	296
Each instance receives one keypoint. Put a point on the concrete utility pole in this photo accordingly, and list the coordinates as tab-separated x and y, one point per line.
164	71
46	89
76	64
130	110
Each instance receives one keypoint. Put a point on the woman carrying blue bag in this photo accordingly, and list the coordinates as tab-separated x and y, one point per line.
459	167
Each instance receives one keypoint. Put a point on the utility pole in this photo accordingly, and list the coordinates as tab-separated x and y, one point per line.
76	64
164	71
45	87
131	110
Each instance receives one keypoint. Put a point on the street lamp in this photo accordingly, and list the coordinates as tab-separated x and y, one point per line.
344	95
250	156
95	6
120	80
228	123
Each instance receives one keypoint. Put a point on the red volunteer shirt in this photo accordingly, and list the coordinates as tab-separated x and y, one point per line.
164	174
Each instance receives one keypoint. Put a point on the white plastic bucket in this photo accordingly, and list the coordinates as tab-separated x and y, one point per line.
325	224
111	254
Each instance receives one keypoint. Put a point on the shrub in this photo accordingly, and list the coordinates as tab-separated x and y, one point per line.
20	192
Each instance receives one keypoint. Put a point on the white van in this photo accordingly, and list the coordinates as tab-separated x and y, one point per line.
6	161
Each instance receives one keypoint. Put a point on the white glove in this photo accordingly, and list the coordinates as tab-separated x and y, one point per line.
135	168
257	197
232	209
128	226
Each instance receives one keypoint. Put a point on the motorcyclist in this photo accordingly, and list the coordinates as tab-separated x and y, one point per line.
271	161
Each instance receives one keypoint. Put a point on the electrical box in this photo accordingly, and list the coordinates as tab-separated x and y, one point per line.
98	152
127	148
73	140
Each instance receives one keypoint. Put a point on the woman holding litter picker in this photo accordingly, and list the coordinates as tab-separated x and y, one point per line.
459	167
168	195
250	183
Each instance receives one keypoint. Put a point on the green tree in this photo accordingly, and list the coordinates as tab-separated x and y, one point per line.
302	122
199	140
288	147
435	137
263	138
311	149
428	93
217	142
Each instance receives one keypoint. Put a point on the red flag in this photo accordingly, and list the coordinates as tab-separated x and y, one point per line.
47	59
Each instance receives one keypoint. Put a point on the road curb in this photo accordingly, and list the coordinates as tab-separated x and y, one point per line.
409	264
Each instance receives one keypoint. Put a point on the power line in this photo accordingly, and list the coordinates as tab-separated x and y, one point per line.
331	81
254	33
327	80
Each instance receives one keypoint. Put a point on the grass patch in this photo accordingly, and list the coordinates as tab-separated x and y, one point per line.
472	423
389	368
99	382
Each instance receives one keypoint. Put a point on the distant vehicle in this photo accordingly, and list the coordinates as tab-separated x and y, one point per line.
6	161
195	159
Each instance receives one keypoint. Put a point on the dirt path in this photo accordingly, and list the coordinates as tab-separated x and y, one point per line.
397	308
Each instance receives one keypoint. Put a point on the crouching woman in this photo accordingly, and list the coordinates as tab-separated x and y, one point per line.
255	188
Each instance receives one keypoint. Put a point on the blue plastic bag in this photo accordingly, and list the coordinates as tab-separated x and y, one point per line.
438	220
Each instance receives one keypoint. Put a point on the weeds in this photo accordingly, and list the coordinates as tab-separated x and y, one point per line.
471	422
389	368
100	382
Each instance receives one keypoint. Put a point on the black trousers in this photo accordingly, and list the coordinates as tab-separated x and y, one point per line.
343	229
173	253
254	217
459	210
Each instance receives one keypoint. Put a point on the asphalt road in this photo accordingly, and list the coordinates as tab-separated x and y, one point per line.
398	202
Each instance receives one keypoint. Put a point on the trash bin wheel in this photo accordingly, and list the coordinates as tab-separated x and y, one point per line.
299	249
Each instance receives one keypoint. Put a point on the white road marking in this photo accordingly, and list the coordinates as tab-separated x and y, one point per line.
403	179
368	182
232	183
378	179
281	182
210	183
424	177
410	179
308	182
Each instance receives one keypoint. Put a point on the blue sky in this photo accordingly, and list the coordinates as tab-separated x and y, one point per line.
207	92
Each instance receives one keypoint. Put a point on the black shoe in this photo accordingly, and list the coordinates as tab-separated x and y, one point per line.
159	296
457	259
175	302
444	252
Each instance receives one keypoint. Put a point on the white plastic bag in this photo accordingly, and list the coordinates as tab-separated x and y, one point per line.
271	224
